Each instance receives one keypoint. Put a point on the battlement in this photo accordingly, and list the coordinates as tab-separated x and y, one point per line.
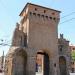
40	11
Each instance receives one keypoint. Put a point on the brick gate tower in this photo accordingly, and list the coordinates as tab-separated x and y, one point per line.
34	47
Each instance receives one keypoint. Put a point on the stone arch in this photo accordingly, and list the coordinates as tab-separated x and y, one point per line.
42	63
20	61
62	65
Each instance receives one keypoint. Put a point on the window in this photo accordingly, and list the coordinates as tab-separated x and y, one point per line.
60	48
25	40
47	17
35	9
73	48
53	13
54	18
21	40
50	17
44	11
42	16
72	63
34	14
72	70
38	15
55	65
30	13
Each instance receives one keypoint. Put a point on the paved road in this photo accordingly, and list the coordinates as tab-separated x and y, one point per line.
1	73
70	73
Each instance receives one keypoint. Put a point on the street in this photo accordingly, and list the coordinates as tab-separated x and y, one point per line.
1	73
38	74
72	73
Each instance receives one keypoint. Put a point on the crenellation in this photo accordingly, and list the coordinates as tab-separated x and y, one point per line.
44	16
43	19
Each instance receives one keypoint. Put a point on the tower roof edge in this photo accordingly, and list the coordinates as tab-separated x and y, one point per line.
38	6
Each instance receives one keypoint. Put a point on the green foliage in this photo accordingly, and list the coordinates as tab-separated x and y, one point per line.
73	55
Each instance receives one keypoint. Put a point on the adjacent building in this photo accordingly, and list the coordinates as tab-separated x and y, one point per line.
72	48
64	55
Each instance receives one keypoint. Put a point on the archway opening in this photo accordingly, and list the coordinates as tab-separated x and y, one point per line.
62	65
42	63
20	63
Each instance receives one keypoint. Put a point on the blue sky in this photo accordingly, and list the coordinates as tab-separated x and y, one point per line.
9	16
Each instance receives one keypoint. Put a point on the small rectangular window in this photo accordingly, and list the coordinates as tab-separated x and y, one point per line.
25	40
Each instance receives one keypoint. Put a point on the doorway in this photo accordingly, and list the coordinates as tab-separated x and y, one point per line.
62	65
42	63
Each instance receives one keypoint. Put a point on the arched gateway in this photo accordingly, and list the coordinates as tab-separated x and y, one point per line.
16	62
62	65
20	60
37	30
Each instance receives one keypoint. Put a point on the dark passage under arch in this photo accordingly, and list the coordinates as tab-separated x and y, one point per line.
46	64
42	63
20	62
62	65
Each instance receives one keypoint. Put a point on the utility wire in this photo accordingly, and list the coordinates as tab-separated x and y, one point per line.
67	20
68	15
7	13
4	43
1	40
5	7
